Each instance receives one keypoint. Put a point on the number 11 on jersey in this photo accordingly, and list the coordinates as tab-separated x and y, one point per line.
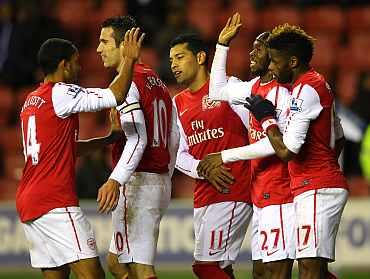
30	146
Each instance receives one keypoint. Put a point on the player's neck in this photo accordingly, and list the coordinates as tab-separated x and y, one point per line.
54	77
201	78
267	77
300	71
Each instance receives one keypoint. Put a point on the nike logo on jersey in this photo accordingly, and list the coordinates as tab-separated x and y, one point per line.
273	252
301	249
214	253
182	112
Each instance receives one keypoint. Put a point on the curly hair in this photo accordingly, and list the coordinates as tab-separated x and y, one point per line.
293	40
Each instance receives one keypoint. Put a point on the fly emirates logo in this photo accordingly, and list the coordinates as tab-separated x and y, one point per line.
200	134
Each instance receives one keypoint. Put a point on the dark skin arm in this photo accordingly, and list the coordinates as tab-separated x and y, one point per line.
86	146
339	145
276	139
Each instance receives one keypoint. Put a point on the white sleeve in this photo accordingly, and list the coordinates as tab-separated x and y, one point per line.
280	97
133	125
174	141
69	98
218	78
303	109
259	149
222	88
185	162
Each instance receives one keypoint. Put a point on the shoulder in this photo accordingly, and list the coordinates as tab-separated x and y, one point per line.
62	90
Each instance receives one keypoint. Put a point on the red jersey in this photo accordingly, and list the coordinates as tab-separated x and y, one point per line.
212	126
156	104
270	176
50	130
310	134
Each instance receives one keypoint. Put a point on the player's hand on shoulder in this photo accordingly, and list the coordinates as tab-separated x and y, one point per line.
131	45
230	30
108	196
209	162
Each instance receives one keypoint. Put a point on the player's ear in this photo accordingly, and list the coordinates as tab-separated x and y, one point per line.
294	62
62	64
201	57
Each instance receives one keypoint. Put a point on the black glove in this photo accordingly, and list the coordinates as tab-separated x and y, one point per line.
260	108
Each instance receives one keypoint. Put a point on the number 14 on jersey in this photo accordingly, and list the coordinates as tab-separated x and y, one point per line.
31	148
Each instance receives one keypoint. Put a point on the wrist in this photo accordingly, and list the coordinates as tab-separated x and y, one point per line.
114	182
221	43
268	122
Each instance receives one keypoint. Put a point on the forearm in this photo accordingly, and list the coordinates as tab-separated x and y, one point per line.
122	82
218	78
86	146
276	139
339	145
259	149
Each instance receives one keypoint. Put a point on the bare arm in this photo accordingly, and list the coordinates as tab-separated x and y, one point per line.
86	146
276	139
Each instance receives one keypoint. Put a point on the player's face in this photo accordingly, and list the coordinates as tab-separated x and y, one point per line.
107	48
279	66
184	65
259	58
72	69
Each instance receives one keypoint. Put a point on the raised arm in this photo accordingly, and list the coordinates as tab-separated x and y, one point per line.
130	51
218	77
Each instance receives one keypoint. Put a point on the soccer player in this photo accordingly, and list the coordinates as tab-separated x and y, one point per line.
141	162
308	145
273	237
220	218
59	234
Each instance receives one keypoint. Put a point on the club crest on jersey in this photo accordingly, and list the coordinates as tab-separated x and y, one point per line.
91	243
296	104
208	103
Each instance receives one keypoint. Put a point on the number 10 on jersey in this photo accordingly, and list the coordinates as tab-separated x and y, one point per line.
30	146
159	123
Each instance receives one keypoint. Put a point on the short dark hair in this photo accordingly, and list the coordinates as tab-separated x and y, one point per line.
52	52
293	40
120	25
194	43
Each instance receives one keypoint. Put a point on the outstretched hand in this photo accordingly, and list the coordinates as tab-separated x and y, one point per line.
230	30
131	45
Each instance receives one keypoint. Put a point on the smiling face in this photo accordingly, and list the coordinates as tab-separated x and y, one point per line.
280	66
108	50
259	58
184	64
